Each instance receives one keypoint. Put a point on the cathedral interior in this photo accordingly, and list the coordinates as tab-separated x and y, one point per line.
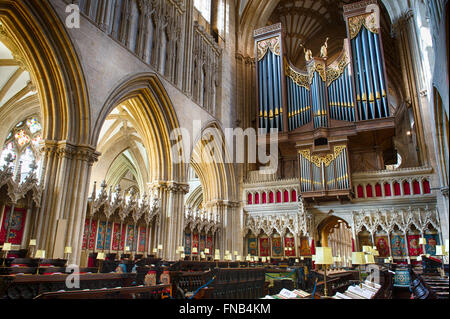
116	163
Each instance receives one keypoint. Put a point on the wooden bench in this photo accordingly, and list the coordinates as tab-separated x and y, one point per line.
30	286
138	292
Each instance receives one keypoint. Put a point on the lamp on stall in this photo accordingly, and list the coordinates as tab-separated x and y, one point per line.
440	251
155	250
367	249
324	257
423	243
6	248
68	251
40	254
358	258
207	251
370	259
446	246
194	250
100	258
32	246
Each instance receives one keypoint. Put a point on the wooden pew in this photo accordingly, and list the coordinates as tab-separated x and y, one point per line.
138	292
29	286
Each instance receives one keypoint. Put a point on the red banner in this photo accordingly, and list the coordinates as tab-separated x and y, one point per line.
116	237
195	242
264	247
93	234
382	244
142	238
289	242
413	245
17	225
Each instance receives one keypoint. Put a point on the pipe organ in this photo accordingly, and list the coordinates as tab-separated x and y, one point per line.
368	63
320	173
332	101
269	83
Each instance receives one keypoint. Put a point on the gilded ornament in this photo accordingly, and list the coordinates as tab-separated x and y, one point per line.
272	44
355	24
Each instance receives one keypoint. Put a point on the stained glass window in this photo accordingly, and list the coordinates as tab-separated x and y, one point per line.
34	125
22	138
23	144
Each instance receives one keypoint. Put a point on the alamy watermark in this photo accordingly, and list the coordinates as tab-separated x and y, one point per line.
234	145
73	17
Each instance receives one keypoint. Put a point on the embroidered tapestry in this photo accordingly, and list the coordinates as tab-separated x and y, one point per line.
118	237
413	245
142	238
202	243
131	242
289	242
264	247
277	248
398	246
432	241
382	243
305	249
252	247
195	242
17	225
187	243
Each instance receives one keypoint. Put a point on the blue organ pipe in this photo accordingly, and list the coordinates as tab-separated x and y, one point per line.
371	71
320	92
368	73
270	92
378	93
278	81
341	99
313	101
261	97
344	99
298	115
357	84
347	94
381	72
331	100
288	87
294	105
336	100
363	90
266	95
350	90
275	89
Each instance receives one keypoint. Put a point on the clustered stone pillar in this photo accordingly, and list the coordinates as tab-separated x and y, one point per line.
170	230
229	236
66	172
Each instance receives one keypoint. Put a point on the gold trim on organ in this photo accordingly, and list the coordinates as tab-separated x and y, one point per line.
327	159
355	24
272	43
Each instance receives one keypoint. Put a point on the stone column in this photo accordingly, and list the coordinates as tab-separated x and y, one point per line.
411	63
64	199
171	220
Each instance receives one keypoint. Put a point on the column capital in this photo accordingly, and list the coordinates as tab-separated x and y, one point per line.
66	149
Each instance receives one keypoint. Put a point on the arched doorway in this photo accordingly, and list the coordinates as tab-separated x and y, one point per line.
335	232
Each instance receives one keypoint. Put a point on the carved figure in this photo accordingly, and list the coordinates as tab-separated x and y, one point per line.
324	49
